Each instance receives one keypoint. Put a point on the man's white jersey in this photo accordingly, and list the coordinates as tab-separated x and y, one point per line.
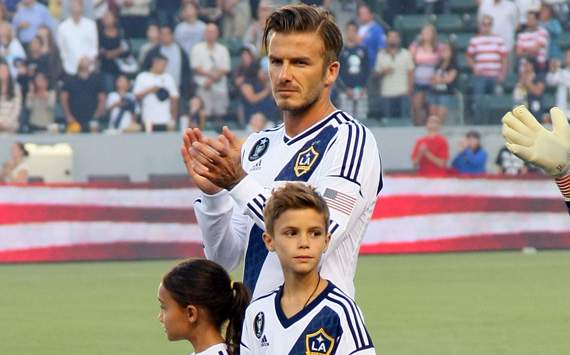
330	324
218	349
338	156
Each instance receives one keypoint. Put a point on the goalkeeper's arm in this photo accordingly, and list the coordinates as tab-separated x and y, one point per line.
549	150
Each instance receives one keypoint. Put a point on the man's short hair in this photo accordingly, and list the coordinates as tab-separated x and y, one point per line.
305	18
294	196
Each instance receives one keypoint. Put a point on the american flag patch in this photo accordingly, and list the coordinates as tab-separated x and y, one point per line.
564	185
339	201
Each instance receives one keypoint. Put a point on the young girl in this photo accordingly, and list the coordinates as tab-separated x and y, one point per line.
442	91
196	298
308	314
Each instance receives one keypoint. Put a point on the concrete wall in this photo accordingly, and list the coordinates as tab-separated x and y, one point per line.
139	155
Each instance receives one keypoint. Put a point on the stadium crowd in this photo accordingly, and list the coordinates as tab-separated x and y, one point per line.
153	65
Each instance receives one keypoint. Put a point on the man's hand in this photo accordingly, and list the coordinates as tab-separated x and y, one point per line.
219	160
190	136
530	141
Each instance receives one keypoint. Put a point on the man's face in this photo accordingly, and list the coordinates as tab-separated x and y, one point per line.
299	239
531	21
211	33
352	33
433	124
159	65
76	7
166	36
485	26
298	71
393	39
364	14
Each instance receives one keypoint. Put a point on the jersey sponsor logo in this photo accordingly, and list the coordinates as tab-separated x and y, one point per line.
256	166
319	343
259	148
264	341
305	160
259	324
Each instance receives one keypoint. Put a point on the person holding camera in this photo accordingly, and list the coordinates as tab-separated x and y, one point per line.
158	94
122	106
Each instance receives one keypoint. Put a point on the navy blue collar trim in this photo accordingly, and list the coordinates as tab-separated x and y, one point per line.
321	124
287	322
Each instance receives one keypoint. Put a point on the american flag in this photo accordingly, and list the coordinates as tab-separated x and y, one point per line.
413	215
339	201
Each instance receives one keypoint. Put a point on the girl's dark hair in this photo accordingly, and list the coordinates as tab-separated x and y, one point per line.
206	284
453	59
305	18
11	91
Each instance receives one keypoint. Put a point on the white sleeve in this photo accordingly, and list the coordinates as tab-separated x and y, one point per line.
351	179
171	86
139	85
224	230
247	344
357	341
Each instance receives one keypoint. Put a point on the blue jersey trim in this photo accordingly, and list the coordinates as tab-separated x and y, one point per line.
320	125
255	256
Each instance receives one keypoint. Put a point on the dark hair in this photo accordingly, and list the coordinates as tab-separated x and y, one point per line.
22	147
305	18
352	23
292	196
11	90
453	59
206	284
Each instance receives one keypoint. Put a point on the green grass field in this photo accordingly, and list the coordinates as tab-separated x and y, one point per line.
494	303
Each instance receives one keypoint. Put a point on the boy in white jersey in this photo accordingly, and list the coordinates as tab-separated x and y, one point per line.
317	144
308	314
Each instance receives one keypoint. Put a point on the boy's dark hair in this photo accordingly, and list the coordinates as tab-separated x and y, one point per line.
206	284
294	196
305	18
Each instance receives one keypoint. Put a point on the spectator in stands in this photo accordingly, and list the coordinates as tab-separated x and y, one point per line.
112	45
29	17
510	164
191	30
248	56
472	158
4	15
256	95
560	78
134	16
524	6
533	41
353	74
436	6
77	38
83	97
487	56
505	19
441	96
426	55
257	123
10	100
254	32
50	51
152	40
10	48
554	29
178	64
88	8
167	10
211	64
396	69
16	169
158	94
530	87
236	18
40	102
431	152
122	107
371	34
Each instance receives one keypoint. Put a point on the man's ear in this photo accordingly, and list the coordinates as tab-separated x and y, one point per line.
332	73
268	240
327	242
191	314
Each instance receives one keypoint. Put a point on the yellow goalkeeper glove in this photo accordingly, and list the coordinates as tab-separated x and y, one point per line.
530	141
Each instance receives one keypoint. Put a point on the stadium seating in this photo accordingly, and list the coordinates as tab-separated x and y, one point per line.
449	23
494	107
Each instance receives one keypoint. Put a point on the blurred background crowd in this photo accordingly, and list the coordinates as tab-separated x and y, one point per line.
117	66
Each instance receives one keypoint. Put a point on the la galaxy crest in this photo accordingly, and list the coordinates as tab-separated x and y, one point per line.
319	343
305	161
259	148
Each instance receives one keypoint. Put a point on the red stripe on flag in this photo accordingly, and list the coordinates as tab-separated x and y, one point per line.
16	214
107	251
539	240
413	205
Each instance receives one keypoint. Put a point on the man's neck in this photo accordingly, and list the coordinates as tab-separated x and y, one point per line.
210	45
296	123
76	18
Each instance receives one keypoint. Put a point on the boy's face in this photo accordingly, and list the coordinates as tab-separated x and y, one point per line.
299	238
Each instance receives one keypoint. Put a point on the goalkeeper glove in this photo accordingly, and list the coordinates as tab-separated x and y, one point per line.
530	141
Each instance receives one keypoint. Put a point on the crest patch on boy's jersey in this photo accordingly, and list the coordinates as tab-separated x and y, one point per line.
305	160
319	343
259	324
259	148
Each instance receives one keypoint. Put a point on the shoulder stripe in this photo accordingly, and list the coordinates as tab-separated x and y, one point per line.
252	209
333	227
357	340
346	152
336	293
360	154
354	151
